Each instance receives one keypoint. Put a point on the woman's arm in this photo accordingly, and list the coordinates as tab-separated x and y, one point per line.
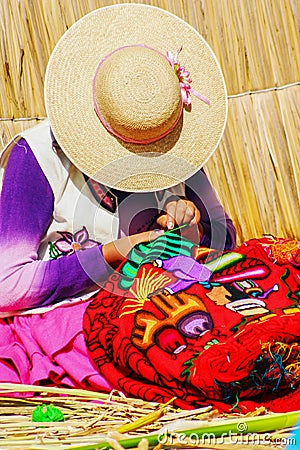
218	229
26	208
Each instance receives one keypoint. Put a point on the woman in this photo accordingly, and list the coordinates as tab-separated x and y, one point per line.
117	163
54	201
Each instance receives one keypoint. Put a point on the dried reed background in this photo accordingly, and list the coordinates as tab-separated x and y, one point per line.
256	169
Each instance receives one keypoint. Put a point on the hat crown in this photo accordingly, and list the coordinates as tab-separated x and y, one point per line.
137	94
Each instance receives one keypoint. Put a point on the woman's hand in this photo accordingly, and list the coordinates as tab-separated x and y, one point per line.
114	252
179	212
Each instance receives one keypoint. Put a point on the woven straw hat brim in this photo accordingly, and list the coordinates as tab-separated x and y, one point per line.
78	130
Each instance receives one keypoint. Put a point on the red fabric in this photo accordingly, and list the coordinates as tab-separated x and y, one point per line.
211	328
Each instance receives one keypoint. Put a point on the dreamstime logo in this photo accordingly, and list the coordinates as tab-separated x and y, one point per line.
242	427
229	438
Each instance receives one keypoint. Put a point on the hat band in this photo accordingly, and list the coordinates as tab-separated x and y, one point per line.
108	126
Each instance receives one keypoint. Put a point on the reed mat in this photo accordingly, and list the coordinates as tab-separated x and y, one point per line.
93	420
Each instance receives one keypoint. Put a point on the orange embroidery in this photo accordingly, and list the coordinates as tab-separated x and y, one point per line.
284	251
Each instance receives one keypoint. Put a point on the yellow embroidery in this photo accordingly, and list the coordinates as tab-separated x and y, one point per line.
290	354
147	284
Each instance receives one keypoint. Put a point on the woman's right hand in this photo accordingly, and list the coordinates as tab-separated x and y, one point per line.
114	252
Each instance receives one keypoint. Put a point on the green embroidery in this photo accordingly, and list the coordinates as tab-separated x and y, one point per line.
164	247
187	372
54	253
210	343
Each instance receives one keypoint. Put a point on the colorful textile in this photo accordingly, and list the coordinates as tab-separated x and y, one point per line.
204	326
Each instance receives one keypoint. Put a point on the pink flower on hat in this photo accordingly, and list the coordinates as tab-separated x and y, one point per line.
184	79
70	243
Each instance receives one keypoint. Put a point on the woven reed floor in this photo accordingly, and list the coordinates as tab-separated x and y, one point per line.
93	420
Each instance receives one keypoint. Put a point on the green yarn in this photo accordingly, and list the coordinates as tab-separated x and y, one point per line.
47	413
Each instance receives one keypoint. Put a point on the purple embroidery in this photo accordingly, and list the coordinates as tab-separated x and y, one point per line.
70	243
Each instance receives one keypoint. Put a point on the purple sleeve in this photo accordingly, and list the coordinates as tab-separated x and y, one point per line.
219	231
26	208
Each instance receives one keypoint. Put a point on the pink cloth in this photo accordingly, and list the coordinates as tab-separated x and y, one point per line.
48	349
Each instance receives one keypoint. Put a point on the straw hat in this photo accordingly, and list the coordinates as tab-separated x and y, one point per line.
121	101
